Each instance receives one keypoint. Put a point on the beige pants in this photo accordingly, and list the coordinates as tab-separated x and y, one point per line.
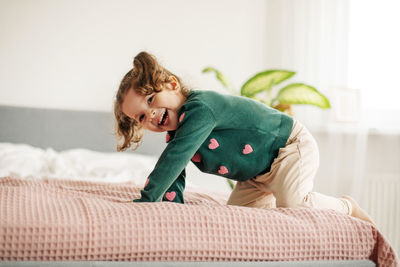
290	180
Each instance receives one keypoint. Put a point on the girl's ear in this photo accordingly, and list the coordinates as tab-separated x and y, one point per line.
174	82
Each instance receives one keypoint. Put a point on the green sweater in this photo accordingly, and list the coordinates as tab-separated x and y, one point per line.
230	136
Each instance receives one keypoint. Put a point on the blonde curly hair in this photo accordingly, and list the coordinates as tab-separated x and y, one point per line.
146	77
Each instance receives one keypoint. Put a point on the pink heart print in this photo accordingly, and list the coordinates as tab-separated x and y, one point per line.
213	144
247	149
223	170
170	195
181	117
167	137
147	181
196	157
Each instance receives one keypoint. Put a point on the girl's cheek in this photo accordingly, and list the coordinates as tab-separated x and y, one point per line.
148	125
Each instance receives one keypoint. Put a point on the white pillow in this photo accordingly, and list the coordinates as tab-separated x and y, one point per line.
25	161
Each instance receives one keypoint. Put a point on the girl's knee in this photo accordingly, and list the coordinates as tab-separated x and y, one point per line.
294	201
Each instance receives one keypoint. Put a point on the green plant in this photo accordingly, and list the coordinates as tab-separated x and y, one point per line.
263	82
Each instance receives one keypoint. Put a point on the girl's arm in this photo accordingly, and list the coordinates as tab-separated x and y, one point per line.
196	125
175	191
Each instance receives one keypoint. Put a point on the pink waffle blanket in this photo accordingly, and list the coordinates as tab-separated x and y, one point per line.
59	220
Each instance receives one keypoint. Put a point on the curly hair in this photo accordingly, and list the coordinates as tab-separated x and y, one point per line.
146	77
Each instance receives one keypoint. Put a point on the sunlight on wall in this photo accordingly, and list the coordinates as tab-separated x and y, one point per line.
374	53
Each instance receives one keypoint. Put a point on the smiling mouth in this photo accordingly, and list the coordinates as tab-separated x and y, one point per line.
165	118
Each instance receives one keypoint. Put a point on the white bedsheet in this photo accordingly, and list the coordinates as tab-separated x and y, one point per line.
25	161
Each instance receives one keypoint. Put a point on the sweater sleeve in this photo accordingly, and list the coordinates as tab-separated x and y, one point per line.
175	191
196	122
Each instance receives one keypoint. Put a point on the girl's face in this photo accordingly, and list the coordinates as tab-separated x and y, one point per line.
157	112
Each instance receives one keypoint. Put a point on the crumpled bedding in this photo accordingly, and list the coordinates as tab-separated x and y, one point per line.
26	161
53	219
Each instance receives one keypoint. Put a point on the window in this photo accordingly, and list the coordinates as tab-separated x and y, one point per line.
374	59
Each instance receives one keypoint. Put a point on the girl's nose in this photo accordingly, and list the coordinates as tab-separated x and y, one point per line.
152	114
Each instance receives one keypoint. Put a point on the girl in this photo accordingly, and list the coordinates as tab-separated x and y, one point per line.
272	156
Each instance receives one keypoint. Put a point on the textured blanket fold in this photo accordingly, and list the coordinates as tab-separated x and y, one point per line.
44	220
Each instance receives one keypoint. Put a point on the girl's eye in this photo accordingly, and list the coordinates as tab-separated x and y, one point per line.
141	118
150	99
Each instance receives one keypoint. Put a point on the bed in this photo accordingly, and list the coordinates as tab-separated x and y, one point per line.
66	200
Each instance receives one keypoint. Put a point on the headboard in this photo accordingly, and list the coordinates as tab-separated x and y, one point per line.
67	129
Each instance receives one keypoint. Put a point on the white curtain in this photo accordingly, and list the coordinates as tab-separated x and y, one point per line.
310	37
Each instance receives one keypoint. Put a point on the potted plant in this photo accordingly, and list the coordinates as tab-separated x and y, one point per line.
263	83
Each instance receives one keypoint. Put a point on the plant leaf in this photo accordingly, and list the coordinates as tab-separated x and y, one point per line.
221	77
230	183
299	93
263	81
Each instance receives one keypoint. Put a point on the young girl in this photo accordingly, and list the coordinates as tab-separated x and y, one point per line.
272	156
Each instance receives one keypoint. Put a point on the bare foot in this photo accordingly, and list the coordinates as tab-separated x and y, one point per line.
358	212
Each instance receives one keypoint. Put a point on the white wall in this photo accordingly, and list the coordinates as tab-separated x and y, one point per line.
72	54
